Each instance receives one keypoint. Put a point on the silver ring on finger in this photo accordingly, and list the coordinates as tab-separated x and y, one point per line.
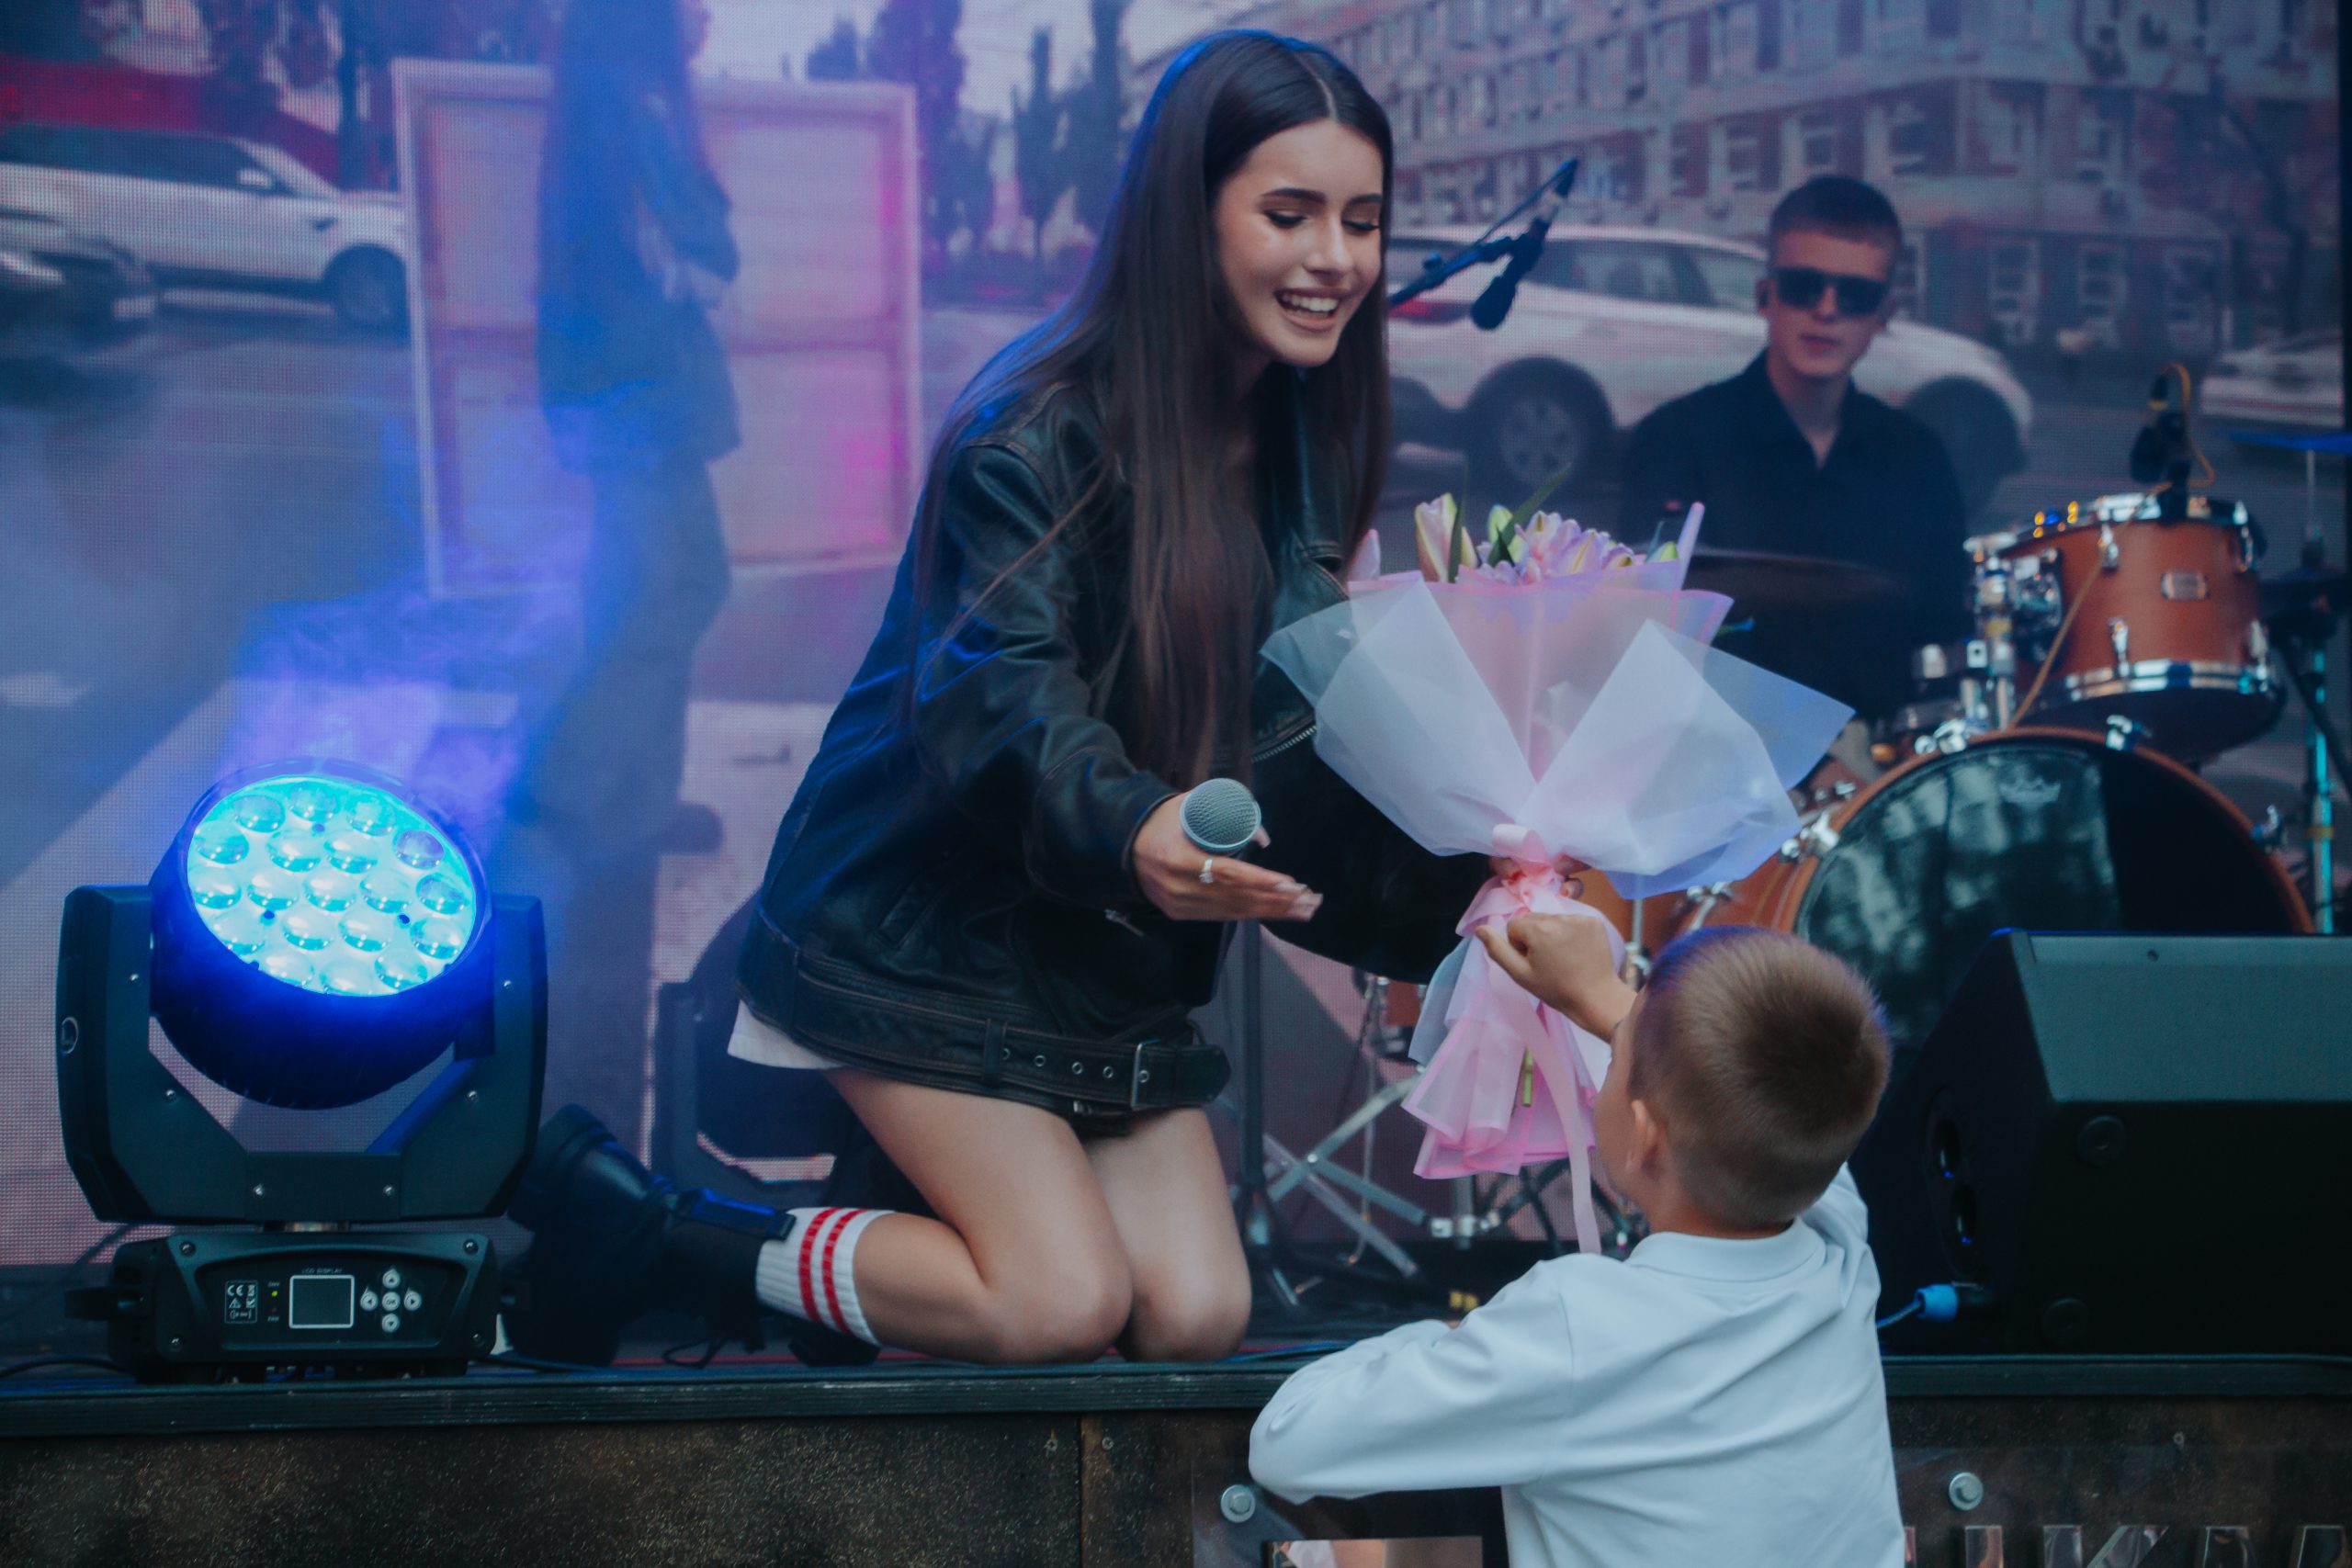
1208	869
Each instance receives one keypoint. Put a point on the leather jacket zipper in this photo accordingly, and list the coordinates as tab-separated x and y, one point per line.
1284	744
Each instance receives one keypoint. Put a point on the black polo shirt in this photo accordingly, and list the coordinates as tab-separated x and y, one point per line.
1886	498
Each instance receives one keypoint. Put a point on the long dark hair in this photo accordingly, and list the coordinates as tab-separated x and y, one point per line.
609	55
1153	335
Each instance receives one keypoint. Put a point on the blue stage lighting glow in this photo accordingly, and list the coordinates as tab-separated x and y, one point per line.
274	870
320	936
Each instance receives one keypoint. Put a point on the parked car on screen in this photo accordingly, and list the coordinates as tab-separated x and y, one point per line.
1613	322
2294	384
214	211
66	293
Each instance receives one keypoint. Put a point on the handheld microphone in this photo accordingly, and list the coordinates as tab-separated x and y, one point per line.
1221	816
1495	303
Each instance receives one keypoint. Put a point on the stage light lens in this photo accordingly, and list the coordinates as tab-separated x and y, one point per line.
330	890
354	850
214	889
296	850
366	931
388	890
272	890
223	844
314	801
278	869
284	964
308	929
419	850
240	930
399	971
438	941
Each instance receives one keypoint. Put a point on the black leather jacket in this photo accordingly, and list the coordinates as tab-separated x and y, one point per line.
951	900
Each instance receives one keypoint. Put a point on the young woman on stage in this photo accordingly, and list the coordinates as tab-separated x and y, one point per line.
982	917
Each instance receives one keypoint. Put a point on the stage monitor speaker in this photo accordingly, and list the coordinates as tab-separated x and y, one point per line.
2142	1144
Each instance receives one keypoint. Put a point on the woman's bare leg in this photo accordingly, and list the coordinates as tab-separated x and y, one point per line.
1027	1265
1165	1186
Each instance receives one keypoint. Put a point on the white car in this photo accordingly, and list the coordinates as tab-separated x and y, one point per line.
1613	322
2294	384
216	212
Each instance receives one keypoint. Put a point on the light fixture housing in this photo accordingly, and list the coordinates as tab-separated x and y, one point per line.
180	949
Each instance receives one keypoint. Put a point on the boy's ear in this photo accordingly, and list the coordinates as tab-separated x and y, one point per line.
1650	1149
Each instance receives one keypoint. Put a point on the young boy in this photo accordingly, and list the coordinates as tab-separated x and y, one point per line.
1716	1396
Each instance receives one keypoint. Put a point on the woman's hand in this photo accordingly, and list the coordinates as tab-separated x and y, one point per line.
1168	868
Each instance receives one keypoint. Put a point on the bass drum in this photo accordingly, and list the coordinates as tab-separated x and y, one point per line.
2042	829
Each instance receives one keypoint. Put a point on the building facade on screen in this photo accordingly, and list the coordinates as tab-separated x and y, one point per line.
2138	177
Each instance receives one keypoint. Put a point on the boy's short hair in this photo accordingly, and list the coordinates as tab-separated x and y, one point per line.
1765	1057
1839	205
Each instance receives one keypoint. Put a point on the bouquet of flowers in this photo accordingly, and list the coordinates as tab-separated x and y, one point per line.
1548	693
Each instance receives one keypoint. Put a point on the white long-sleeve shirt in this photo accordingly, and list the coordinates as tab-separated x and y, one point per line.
1704	1401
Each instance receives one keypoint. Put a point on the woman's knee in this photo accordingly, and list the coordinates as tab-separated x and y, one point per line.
1072	1314
1199	1317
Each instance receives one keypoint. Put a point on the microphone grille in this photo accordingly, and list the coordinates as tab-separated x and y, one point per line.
1221	815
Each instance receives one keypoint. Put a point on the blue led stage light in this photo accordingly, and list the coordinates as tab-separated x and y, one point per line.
319	937
312	937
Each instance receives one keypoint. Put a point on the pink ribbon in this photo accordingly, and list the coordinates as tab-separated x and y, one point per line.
1513	1082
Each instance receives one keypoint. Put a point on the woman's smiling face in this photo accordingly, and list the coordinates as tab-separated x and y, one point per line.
1298	239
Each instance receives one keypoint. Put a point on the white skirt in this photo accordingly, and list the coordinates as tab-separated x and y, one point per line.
756	1042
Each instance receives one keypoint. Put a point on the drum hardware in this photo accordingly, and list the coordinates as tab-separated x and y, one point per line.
2119	637
1701	902
2110	556
2310	605
1816	837
2182	586
1323	1177
2122	735
1948	739
2271	831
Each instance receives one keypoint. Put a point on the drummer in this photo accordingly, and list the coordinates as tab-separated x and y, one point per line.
1790	457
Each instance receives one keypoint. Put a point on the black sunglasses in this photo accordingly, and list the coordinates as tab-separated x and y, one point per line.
1801	287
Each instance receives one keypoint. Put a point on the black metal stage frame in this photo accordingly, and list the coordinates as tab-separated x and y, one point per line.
2230	1459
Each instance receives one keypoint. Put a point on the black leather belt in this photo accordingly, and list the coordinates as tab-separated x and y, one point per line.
970	1043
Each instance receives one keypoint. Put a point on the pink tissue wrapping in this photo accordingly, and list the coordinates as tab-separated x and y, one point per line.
1469	1094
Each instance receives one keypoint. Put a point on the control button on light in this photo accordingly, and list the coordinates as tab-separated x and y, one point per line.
391	1321
412	1299
367	1300
391	1279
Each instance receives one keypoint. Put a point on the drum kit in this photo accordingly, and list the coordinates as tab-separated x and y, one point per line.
2046	778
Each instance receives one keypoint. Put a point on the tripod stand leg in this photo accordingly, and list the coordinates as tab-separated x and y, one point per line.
1323	1192
1329	1146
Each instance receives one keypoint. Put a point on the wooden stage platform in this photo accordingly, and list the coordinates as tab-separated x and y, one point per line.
2224	1463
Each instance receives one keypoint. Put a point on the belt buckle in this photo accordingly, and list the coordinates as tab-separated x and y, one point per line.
1136	1078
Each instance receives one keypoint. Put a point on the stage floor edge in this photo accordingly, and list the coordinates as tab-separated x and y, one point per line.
2197	1460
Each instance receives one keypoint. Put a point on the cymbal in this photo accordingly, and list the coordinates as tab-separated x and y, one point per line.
1764	580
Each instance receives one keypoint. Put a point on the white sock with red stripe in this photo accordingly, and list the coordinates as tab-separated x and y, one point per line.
808	1274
